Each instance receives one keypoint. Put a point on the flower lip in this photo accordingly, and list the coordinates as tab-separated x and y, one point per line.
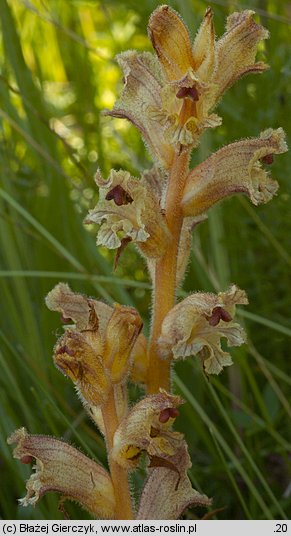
218	313
268	159
141	93
119	195
168	413
190	92
65	350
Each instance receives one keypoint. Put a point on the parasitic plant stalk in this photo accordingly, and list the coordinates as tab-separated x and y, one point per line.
118	474
165	282
170	96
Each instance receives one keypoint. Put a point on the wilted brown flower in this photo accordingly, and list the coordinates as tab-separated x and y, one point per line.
96	351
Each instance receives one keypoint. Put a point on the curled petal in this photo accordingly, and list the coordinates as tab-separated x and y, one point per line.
171	41
122	332
142	92
167	492
130	210
196	325
233	169
87	314
62	468
147	428
78	360
236	53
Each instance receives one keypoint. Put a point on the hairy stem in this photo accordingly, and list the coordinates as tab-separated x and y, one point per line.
119	475
165	273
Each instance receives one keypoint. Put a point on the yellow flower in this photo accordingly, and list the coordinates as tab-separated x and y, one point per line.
62	468
196	325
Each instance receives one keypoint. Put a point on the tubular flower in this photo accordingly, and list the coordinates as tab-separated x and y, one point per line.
197	76
62	468
142	93
129	211
96	350
196	325
233	169
168	492
170	98
147	428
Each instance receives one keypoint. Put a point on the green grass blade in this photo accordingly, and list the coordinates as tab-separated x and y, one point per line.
250	459
219	437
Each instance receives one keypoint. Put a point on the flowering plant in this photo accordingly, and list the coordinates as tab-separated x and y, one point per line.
170	96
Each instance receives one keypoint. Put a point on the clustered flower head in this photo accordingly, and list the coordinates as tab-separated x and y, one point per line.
170	96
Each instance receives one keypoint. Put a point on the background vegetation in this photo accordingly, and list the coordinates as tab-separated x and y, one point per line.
57	74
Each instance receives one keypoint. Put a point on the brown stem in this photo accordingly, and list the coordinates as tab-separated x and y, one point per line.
165	273
119	475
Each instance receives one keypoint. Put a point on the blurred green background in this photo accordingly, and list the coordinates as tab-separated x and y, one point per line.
57	74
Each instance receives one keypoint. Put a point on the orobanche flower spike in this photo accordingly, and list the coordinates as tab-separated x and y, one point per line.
170	96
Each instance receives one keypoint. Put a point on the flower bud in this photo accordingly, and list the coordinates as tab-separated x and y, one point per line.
122	332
